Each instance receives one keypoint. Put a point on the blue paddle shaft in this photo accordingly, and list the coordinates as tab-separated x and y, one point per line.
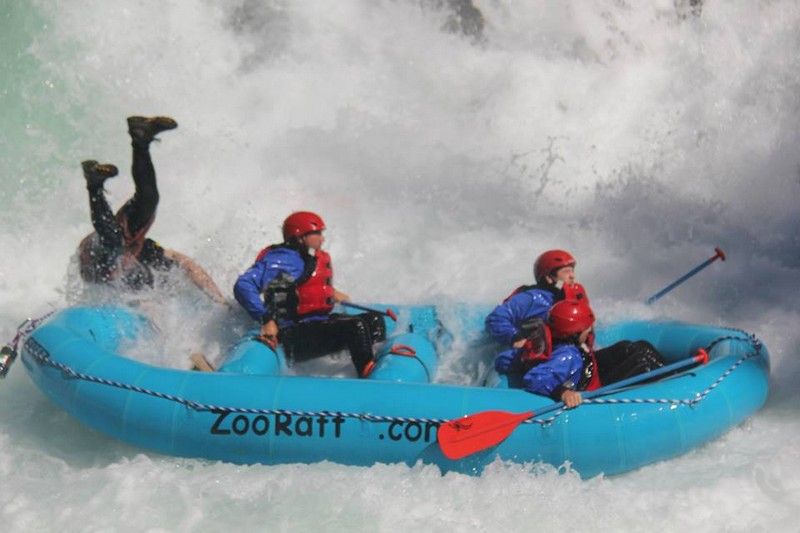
686	276
613	387
388	312
361	307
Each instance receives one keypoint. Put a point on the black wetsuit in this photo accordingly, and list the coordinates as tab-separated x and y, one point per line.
316	338
626	359
118	247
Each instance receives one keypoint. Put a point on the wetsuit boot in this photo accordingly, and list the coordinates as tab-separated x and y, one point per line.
139	212
99	251
96	174
144	129
359	342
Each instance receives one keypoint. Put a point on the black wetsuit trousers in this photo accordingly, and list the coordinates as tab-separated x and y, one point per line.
137	212
356	333
626	359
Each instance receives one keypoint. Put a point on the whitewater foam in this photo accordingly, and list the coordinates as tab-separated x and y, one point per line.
635	136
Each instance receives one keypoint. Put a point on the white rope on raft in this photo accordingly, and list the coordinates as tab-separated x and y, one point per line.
43	357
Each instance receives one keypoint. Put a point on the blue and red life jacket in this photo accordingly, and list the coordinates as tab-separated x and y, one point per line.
539	348
313	292
570	292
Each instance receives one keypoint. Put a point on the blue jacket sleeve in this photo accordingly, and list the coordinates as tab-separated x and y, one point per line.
504	322
508	361
565	365
251	284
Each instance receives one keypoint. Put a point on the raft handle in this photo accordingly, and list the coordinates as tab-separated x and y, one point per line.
404	350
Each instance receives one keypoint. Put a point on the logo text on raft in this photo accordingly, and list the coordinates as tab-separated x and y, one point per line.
412	431
282	425
227	424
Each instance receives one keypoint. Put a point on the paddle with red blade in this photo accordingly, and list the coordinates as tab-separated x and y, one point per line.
470	434
465	436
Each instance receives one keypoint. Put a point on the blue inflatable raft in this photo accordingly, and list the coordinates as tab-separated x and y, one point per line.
250	412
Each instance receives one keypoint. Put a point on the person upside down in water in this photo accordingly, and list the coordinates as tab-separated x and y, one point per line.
118	249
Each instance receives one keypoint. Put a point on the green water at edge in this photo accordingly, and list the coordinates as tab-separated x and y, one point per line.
38	115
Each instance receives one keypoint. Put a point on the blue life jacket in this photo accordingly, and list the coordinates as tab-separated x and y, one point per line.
504	322
268	290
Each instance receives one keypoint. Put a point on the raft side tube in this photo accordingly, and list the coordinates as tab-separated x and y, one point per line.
108	327
274	419
408	357
675	340
421	319
253	357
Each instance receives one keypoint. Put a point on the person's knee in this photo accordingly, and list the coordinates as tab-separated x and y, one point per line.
648	354
361	330
377	327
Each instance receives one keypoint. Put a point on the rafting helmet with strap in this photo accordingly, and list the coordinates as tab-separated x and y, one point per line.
549	262
568	321
568	318
301	223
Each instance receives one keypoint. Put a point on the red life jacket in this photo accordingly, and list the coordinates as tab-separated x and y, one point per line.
315	293
314	288
571	292
518	290
533	355
591	371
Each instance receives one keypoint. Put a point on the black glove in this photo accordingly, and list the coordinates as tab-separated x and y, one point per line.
532	329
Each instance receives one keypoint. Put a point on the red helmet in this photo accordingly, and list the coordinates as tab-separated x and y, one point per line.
550	261
569	317
300	223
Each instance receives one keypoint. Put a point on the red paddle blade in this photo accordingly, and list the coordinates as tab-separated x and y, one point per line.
470	434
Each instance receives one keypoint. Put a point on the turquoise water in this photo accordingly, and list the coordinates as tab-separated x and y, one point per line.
634	136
